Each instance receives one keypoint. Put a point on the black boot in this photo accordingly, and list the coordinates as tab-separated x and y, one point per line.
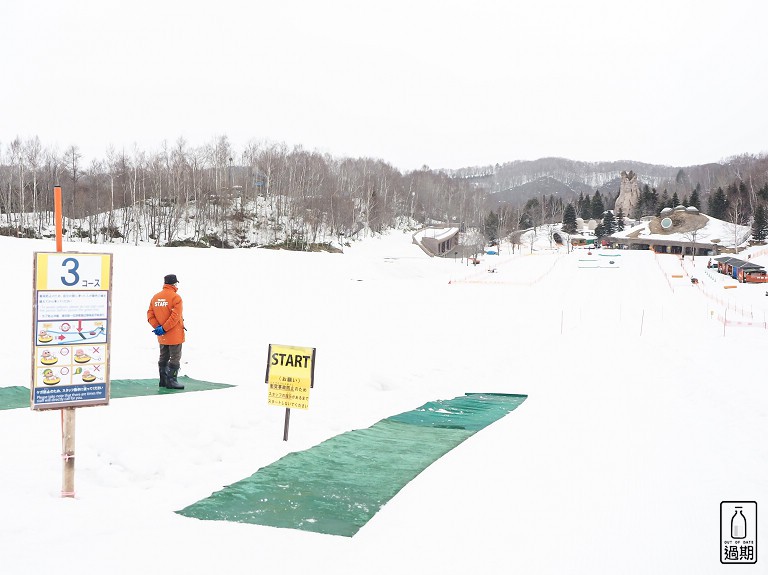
163	369
171	382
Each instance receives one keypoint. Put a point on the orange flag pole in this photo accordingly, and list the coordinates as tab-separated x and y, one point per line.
68	413
57	217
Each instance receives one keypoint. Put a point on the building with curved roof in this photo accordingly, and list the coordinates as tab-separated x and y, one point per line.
683	230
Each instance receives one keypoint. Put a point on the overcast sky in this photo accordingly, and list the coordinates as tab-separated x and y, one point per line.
441	83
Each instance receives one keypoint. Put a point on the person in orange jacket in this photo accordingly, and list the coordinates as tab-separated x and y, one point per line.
165	315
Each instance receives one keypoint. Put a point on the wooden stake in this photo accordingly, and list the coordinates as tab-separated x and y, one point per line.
68	451
68	413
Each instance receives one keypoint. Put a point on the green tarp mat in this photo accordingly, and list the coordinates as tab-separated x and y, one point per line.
337	486
14	397
135	387
18	396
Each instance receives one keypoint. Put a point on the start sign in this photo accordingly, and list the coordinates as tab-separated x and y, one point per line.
290	375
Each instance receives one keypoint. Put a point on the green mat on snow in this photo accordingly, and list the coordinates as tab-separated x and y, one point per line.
14	397
338	485
18	396
136	387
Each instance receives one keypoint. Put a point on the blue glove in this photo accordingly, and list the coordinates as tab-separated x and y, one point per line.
159	330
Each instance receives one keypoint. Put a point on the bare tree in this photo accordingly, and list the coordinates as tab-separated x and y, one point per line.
532	236
17	165
472	241
693	235
32	155
736	225
157	194
71	162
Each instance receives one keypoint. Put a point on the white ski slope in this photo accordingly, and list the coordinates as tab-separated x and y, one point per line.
643	413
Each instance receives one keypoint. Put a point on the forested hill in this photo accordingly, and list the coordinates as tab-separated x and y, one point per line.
272	193
518	181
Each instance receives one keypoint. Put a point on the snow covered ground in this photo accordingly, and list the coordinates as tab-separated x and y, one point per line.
644	412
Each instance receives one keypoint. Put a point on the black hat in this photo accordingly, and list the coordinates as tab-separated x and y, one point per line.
171	279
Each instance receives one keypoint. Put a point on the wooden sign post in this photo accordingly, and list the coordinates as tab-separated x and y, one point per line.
72	327
68	451
287	423
68	413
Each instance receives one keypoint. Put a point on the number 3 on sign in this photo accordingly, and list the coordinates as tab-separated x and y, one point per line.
72	271
63	271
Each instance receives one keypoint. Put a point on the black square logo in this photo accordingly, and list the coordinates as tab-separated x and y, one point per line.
738	532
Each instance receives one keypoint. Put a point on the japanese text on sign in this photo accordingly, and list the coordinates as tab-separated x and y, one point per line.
290	374
71	330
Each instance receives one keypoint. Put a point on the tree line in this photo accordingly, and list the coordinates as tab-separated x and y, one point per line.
738	204
272	193
284	194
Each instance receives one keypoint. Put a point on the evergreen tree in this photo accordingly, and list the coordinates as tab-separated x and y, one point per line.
695	201
492	226
664	202
599	230
620	220
760	223
597	206
531	216
675	200
586	208
648	200
569	219
718	205
609	223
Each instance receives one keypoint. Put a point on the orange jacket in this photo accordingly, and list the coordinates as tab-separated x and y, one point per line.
165	308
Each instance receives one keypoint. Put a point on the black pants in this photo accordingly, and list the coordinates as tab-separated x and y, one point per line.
170	355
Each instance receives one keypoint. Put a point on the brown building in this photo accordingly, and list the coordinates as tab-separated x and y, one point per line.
437	241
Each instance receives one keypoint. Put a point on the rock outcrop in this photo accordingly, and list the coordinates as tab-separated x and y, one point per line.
629	194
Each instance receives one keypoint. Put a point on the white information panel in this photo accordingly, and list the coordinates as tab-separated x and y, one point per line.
71	324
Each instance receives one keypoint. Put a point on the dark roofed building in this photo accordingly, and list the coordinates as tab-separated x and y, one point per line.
741	270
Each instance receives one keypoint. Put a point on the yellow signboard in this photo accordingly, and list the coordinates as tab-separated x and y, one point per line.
290	375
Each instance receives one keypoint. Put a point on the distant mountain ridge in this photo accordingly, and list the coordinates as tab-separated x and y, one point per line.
518	181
